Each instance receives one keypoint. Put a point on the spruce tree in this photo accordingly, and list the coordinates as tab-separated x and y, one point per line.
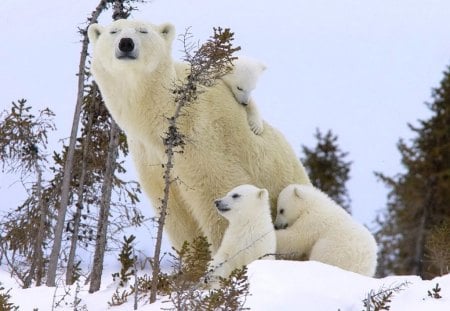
328	168
24	231
84	179
419	198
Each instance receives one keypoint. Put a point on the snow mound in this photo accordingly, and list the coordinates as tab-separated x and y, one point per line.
274	285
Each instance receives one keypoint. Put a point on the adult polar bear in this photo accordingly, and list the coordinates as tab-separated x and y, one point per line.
133	67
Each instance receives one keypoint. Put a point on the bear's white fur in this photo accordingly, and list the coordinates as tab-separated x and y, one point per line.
250	234
310	223
134	70
242	81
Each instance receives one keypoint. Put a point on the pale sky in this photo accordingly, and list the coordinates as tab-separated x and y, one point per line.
360	68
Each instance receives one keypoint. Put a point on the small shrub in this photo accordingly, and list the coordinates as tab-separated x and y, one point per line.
231	294
187	290
437	244
144	284
76	272
119	298
5	304
191	262
435	292
380	300
126	260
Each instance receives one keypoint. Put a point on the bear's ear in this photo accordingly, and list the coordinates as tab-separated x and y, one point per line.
167	31
262	67
94	31
297	193
263	194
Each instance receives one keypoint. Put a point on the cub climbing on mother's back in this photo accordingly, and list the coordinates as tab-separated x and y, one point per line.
242	81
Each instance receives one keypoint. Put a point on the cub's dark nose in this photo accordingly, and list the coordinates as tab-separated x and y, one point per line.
217	203
282	226
126	45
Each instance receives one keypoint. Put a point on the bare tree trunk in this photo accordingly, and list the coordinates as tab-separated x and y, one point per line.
136	282
37	260
65	188
73	243
210	62
162	215
102	228
80	191
119	12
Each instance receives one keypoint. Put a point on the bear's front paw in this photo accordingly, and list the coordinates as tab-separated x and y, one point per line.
256	125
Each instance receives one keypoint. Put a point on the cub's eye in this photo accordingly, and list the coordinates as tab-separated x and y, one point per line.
114	31
281	211
143	30
235	196
239	88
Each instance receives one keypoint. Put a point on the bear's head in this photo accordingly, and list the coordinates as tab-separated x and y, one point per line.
125	43
292	203
242	200
243	78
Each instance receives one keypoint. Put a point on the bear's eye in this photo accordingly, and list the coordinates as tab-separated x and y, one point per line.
235	196
114	31
239	88
281	211
143	30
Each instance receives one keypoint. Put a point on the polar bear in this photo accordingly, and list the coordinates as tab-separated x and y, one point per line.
135	72
248	237
242	81
310	223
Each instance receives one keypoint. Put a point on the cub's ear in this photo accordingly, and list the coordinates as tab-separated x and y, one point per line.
262	67
263	194
94	32
167	31
297	192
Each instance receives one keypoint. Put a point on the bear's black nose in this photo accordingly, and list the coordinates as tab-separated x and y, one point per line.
217	203
126	45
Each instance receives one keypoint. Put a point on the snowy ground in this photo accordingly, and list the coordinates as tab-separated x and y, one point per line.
274	285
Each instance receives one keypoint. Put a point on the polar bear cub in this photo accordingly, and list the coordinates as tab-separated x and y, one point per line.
311	224
242	81
250	234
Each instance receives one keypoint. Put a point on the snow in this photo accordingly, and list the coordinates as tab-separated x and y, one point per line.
274	285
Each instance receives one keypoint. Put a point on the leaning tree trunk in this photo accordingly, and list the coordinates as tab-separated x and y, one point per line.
65	188
68	165
80	191
119	12
102	228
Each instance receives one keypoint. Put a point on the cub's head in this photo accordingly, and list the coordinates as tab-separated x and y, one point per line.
292	203
241	200
125	43
243	78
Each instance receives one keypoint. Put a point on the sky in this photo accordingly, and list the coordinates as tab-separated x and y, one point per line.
274	285
360	68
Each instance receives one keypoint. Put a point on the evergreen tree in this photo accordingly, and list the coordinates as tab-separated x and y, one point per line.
24	231
86	179
327	168
211	61
70	153
419	198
